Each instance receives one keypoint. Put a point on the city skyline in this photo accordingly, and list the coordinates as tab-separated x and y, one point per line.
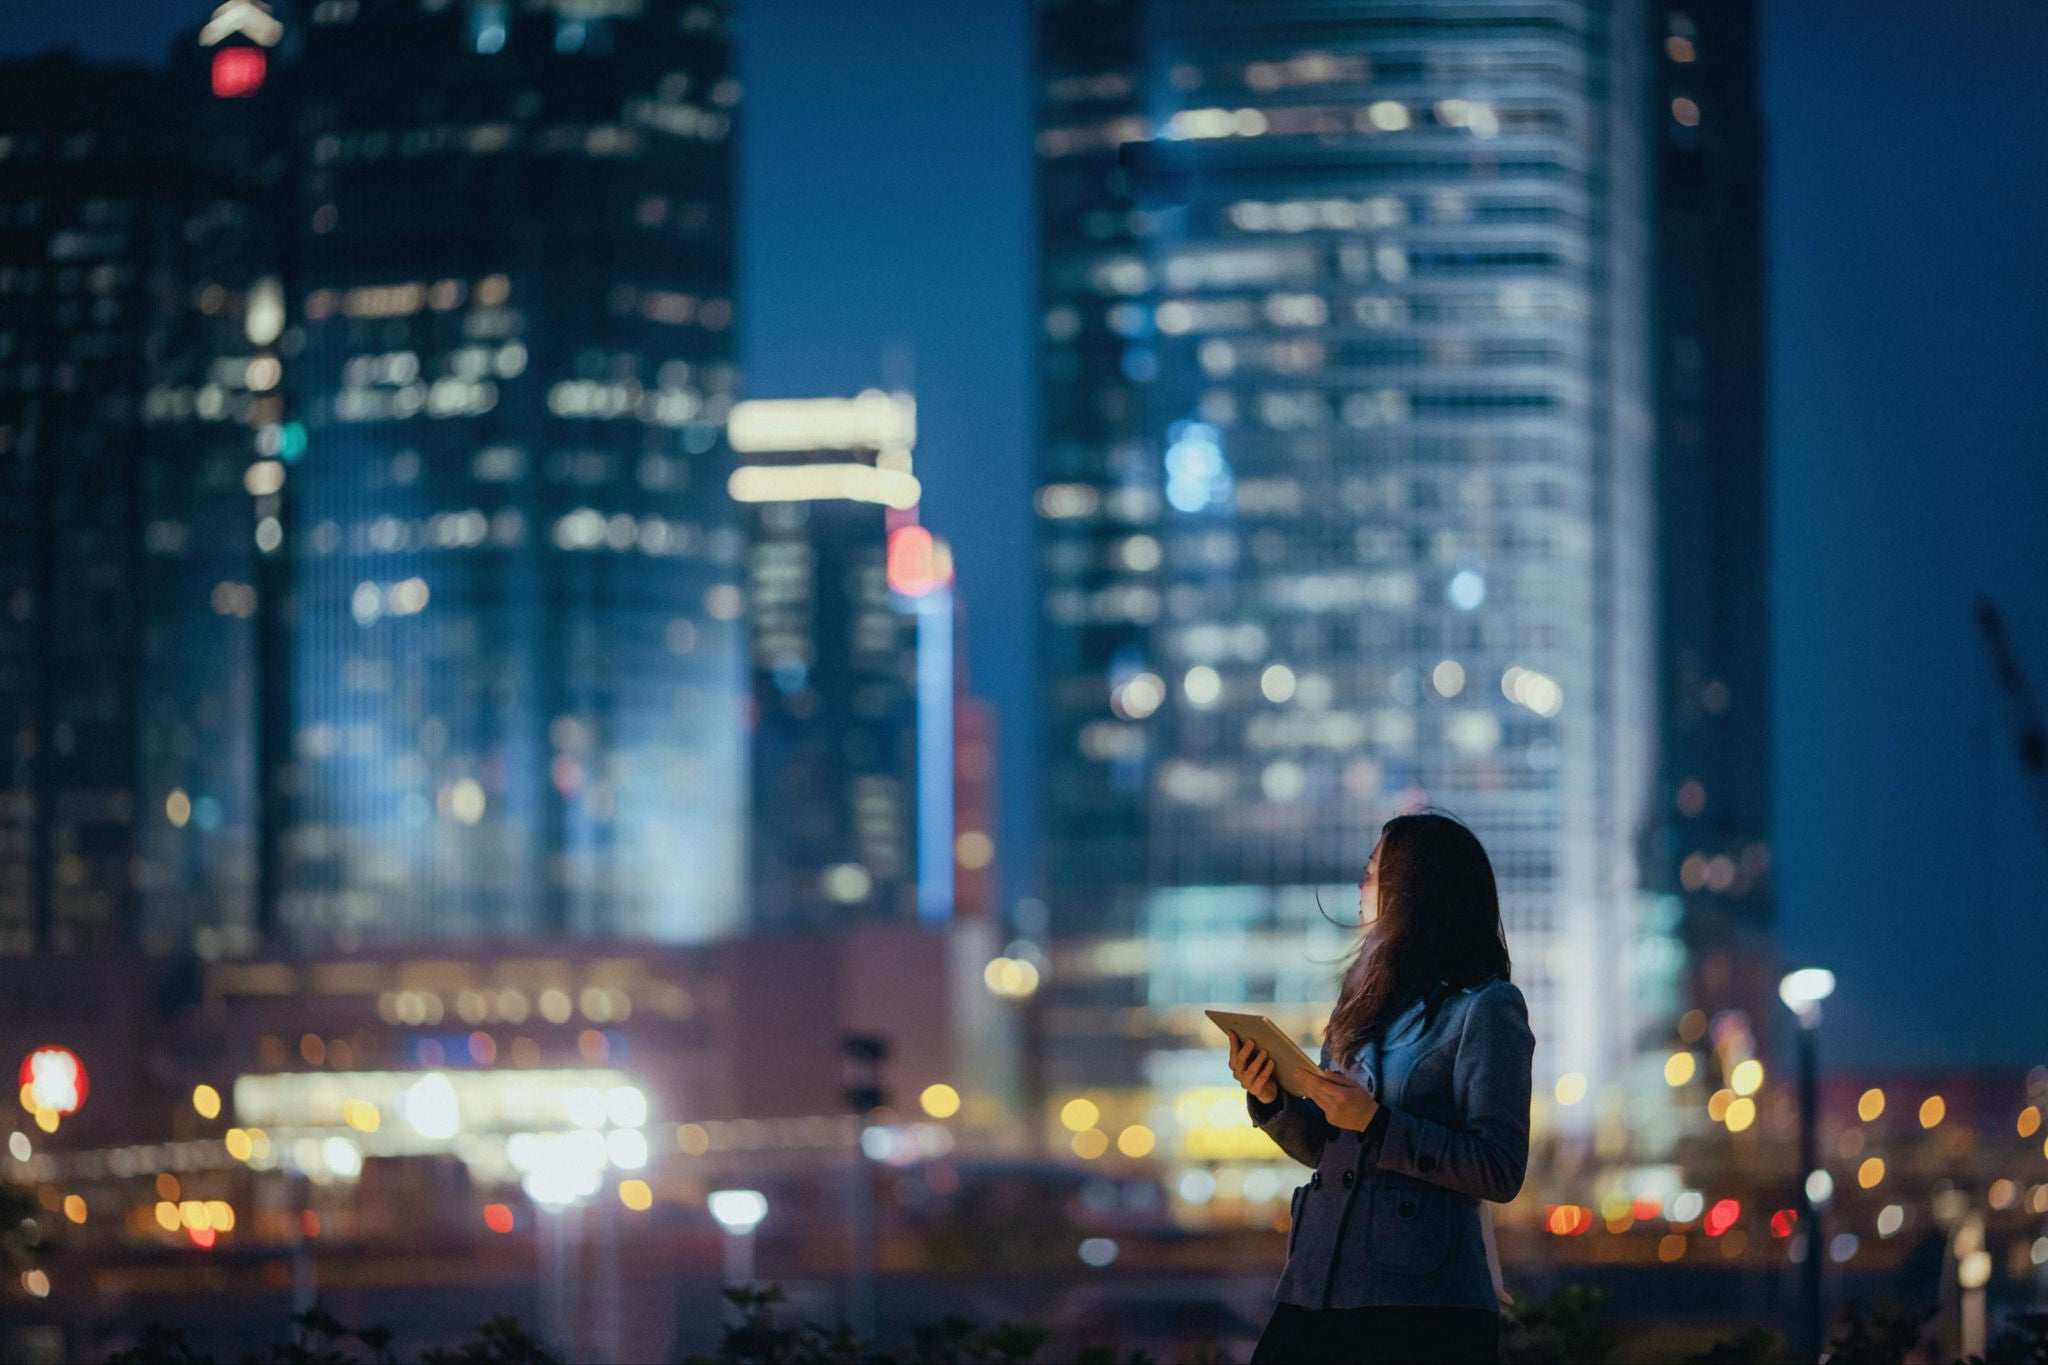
1935	812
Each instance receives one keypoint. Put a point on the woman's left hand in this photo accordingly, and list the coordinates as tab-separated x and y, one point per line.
1343	1101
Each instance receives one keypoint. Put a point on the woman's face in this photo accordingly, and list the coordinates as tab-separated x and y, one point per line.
1369	891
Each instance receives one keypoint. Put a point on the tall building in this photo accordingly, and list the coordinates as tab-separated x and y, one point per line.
1710	849
130	305
516	686
852	664
1345	508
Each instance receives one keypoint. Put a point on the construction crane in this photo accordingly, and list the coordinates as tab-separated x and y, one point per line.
2022	709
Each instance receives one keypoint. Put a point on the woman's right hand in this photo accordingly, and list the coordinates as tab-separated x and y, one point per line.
1253	1069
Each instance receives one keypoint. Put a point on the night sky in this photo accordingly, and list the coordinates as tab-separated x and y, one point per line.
888	241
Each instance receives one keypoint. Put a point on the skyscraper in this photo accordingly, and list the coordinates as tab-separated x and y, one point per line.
129	304
1713	804
1345	502
516	684
827	483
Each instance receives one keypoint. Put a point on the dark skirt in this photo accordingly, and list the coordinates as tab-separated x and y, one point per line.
1379	1336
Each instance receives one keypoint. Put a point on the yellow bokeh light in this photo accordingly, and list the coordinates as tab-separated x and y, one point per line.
167	1215
1717	1104
1870	1105
74	1207
941	1101
1679	1068
47	1120
2030	1121
362	1116
1136	1140
636	1195
1079	1115
220	1216
192	1214
1741	1114
1932	1111
178	807
1090	1144
206	1100
1871	1173
693	1139
167	1187
1571	1087
238	1144
1747	1077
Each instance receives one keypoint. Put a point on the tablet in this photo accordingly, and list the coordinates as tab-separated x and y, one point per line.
1289	1061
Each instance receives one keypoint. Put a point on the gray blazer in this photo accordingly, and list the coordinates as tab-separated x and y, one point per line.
1394	1219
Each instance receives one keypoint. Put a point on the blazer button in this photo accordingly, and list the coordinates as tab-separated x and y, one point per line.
1425	1163
1315	1182
1349	1177
1407	1208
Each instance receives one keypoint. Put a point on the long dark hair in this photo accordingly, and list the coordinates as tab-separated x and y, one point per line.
1438	929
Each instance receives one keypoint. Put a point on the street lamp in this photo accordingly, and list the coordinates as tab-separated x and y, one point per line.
739	1212
1802	991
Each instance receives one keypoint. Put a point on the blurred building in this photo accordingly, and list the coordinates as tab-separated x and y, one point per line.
1708	846
516	677
422	1135
857	695
135	326
1346	508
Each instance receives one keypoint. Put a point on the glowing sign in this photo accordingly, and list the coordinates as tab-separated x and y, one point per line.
53	1079
238	72
249	19
872	421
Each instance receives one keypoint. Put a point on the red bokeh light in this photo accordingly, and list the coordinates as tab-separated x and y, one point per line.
54	1078
1646	1209
1783	1222
203	1238
1568	1220
1723	1216
498	1217
238	72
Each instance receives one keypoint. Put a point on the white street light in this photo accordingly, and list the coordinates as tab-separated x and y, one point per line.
739	1212
1803	990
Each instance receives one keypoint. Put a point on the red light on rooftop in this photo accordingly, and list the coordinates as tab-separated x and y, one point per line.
498	1217
1723	1216
917	561
238	72
1783	1222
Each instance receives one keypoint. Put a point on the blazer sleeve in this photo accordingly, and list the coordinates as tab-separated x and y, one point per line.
1487	1155
1294	1123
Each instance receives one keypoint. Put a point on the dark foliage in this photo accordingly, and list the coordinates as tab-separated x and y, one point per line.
1566	1328
1757	1346
1884	1335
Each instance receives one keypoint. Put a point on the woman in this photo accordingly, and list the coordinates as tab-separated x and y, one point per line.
1420	1110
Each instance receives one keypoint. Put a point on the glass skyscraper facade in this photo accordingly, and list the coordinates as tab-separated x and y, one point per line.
517	681
130	300
1345	507
1711	851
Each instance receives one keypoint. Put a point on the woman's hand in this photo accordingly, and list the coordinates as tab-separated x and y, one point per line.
1253	1069
1343	1101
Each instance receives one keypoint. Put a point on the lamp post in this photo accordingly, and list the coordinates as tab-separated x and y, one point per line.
1802	991
739	1212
